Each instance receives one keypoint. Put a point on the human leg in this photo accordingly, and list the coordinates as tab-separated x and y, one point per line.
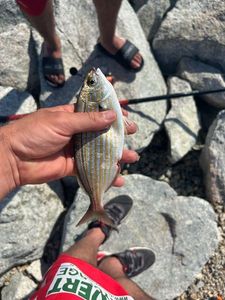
44	23
107	12
87	244
121	266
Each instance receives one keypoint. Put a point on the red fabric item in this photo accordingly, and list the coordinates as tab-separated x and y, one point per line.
32	7
71	278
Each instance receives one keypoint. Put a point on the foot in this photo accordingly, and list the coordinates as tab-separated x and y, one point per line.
116	209
133	261
116	44
53	50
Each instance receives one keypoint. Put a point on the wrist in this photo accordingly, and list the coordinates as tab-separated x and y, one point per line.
7	165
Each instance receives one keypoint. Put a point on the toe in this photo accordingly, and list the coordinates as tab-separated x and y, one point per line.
136	61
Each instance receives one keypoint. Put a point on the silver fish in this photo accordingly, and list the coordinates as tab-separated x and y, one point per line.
97	154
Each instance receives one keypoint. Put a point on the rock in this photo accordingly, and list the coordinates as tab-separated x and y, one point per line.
18	63
182	122
192	28
182	231
79	36
35	270
20	287
213	160
151	15
11	15
27	217
15	102
203	77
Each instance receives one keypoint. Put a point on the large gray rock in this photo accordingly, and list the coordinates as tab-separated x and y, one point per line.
151	15
182	122
19	288
18	62
27	217
10	14
79	36
182	231
203	77
213	160
15	102
193	28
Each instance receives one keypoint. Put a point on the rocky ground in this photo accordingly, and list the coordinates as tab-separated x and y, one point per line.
186	178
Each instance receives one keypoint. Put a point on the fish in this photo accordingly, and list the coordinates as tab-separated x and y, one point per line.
97	154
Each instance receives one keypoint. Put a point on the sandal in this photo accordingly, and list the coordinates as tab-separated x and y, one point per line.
134	260
124	55
52	66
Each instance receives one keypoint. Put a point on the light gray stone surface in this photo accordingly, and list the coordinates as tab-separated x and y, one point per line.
193	28
10	14
182	122
79	36
18	63
35	270
155	204
151	15
203	77
13	101
27	217
19	288
213	160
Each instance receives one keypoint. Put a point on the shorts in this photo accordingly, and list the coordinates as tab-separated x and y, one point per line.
71	278
32	7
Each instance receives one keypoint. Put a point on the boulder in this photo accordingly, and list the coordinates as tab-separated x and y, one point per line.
213	160
20	287
182	231
192	28
203	77
79	37
27	217
182	122
151	15
35	270
13	101
11	15
18	62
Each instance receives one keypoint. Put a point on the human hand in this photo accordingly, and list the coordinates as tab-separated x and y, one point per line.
39	148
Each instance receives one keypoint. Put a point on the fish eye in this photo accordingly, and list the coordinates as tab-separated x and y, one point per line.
91	81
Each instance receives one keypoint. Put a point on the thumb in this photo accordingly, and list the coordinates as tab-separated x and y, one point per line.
87	121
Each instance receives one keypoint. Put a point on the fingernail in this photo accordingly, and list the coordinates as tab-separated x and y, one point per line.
137	157
109	115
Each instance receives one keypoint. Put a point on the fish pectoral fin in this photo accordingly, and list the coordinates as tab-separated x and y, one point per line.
99	215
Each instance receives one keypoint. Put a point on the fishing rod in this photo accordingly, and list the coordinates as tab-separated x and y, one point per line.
169	96
124	102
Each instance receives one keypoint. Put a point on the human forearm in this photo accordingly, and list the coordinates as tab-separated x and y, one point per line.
7	182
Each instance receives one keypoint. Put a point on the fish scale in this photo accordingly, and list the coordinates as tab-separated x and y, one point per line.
97	154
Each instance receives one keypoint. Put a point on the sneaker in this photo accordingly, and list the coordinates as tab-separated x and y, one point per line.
135	260
117	209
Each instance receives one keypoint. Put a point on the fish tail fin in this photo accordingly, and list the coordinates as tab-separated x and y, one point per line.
99	215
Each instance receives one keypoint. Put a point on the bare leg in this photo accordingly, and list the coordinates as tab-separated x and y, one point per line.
113	268
87	248
107	11
45	25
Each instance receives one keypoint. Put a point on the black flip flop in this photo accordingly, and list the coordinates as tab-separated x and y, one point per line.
124	55
52	66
